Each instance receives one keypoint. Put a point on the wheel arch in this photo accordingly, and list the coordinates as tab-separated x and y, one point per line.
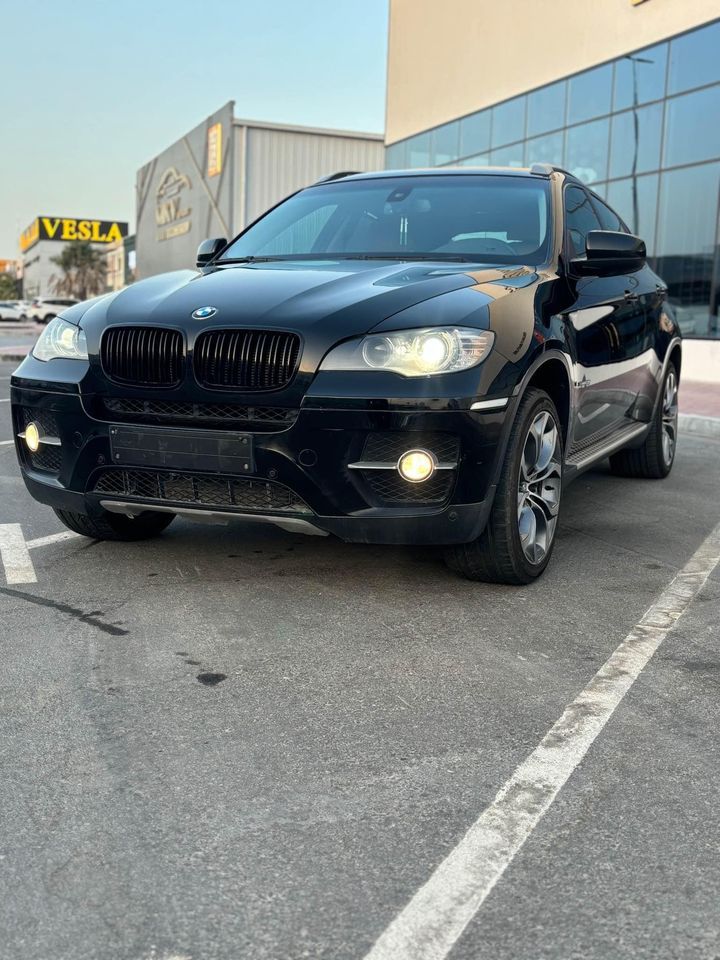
551	368
551	371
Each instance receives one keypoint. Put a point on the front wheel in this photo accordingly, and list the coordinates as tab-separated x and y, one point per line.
516	545
116	526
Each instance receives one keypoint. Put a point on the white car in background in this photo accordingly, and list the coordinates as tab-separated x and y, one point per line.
43	309
23	306
8	311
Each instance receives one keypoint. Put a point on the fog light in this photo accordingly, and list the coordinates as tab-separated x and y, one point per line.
415	466
32	437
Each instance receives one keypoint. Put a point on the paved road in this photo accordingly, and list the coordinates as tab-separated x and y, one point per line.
367	707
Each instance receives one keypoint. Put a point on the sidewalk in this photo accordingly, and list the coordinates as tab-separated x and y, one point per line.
17	353
700	408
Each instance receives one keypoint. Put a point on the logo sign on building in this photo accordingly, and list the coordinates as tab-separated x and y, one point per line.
172	214
214	150
69	229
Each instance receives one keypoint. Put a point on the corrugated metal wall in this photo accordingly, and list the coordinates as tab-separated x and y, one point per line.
281	161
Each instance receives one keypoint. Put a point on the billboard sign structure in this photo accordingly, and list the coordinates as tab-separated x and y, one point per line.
185	195
68	229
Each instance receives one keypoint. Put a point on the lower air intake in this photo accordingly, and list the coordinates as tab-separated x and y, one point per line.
167	487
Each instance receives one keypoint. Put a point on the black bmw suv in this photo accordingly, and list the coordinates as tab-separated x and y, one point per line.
412	357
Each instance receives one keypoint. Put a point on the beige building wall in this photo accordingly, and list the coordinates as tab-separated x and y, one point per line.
450	58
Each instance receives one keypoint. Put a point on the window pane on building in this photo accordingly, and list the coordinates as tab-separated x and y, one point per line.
546	108
396	156
547	149
481	160
419	150
512	156
642	73
625	199
446	143
692	130
695	59
475	133
508	121
590	94
640	147
687	243
586	150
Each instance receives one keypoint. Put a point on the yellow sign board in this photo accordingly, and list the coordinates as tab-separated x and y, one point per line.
214	149
70	229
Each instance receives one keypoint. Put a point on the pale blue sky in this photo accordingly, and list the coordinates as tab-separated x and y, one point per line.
95	88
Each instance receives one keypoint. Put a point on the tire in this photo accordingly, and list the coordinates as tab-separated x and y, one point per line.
503	553
654	459
47	318
116	526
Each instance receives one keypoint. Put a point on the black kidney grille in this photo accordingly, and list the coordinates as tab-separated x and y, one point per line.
246	359
148	356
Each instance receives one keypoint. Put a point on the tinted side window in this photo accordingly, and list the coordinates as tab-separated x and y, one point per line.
580	219
609	220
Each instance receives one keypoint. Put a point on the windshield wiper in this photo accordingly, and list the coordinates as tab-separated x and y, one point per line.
246	260
437	257
442	257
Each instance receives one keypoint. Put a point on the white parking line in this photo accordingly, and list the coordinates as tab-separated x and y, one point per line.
52	538
434	919
5	443
14	555
6	400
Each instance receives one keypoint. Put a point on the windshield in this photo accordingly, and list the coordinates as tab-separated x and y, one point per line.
487	218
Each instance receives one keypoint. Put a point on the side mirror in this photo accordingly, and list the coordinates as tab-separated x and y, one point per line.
208	250
609	251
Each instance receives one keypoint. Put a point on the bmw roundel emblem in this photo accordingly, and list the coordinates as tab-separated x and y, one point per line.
204	313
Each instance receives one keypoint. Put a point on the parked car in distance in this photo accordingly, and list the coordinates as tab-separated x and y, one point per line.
8	311
22	307
413	357
44	309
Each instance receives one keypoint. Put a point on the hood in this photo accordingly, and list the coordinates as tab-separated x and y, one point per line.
324	302
347	298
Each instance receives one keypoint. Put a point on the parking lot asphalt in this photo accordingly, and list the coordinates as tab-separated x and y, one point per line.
235	742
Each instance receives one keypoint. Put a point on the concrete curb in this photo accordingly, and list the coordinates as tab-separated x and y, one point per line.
700	426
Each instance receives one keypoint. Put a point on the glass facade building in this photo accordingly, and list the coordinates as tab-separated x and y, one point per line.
643	130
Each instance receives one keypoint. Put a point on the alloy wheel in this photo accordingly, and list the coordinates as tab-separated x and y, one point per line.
539	486
669	417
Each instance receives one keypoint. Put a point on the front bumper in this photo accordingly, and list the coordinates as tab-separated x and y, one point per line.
301	473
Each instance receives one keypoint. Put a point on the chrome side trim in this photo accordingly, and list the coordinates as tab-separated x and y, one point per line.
497	404
291	524
381	465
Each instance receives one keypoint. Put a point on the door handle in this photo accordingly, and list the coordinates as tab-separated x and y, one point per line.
631	297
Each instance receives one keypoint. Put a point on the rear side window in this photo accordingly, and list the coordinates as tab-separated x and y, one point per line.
580	219
609	220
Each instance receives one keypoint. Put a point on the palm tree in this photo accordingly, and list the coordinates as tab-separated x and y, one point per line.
83	271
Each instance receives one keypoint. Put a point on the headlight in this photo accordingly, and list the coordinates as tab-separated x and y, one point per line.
61	339
413	353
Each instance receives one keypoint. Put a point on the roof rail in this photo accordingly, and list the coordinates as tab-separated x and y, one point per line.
337	176
542	169
545	169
